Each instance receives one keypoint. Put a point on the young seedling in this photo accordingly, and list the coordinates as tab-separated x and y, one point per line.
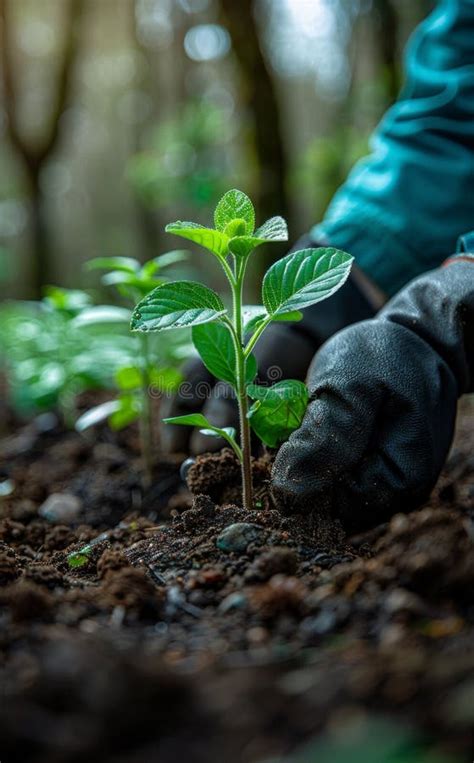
154	366
225	340
48	361
81	556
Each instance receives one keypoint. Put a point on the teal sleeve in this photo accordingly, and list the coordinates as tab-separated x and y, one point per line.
403	207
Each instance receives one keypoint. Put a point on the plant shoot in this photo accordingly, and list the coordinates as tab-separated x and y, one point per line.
225	338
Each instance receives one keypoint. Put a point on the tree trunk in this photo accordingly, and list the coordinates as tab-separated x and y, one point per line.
41	274
148	224
35	156
258	91
387	36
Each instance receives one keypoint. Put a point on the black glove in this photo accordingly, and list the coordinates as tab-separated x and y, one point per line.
383	398
284	351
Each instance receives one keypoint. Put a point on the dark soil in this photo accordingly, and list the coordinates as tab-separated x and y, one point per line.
143	626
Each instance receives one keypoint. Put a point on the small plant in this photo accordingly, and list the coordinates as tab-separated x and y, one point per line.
154	365
132	279
48	360
81	556
224	340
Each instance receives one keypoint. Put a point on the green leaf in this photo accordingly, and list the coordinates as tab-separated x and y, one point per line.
218	432
175	305
292	316
128	378
130	284
242	246
214	344
274	229
216	348
278	410
236	228
116	277
165	380
70	300
166	259
304	278
252	315
128	276
140	281
125	264
126	413
198	420
251	368
235	205
149	269
189	420
213	240
102	314
79	558
96	415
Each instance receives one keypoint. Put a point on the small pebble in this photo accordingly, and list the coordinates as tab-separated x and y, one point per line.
117	617
234	600
61	508
402	601
257	635
185	467
46	422
392	636
238	536
323	623
6	488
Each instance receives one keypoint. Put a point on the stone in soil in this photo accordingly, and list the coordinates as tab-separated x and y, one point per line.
238	537
61	508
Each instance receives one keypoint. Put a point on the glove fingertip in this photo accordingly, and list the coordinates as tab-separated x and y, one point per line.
293	487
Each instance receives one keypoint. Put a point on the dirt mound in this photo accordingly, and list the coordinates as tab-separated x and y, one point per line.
226	634
218	475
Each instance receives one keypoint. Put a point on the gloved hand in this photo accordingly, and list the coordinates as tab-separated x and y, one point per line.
284	351
383	398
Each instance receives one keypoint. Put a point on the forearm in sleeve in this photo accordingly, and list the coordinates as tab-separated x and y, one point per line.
403	207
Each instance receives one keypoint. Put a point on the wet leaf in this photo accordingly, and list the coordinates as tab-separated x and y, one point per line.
216	348
214	240
176	305
304	278
235	205
278	410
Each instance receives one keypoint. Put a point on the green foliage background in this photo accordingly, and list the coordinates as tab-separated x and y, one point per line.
119	116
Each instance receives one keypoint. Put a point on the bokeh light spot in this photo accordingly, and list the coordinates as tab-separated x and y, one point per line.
207	42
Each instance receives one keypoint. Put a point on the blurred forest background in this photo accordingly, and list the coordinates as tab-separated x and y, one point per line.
117	116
